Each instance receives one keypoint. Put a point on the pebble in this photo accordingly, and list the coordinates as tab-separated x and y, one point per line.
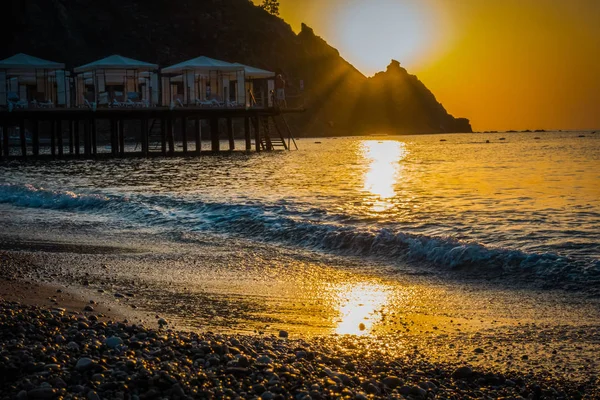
83	364
163	364
113	342
462	373
283	334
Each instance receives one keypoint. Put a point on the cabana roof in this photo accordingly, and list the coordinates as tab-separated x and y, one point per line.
25	61
116	62
253	72
203	65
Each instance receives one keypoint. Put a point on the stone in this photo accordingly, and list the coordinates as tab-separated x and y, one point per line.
462	373
283	334
88	308
42	393
92	395
113	342
264	360
84	364
392	382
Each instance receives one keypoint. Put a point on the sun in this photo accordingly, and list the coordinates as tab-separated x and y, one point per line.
374	32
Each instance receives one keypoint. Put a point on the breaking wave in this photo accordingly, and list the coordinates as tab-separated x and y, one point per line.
309	230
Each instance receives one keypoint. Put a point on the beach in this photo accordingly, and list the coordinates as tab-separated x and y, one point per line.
317	286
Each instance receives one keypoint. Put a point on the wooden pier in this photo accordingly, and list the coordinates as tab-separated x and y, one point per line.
139	132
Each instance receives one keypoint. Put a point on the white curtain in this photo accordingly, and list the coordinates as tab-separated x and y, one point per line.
61	93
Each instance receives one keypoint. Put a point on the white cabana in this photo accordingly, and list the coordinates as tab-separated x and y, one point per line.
117	80
26	80
199	80
252	76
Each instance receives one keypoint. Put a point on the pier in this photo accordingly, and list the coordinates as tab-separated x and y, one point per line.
140	132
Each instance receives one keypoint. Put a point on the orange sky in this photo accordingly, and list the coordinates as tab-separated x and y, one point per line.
505	64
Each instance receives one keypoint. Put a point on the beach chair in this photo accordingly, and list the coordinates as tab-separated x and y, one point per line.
204	103
46	104
103	99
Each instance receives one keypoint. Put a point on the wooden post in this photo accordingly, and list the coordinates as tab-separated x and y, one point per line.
163	135
23	138
94	141
122	137
230	134
114	143
144	137
4	143
71	147
36	137
247	133
77	150
59	132
256	124
184	134
214	135
53	137
87	145
170	135
198	136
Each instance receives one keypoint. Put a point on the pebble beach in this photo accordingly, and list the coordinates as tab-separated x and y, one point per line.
50	354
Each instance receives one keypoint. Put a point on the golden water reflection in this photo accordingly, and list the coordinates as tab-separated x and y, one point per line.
360	307
383	171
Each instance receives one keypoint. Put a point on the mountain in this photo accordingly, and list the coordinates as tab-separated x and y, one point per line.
339	99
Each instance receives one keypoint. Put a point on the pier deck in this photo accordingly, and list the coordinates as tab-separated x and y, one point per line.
139	132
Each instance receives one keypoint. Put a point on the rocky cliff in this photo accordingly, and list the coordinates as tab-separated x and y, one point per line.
340	100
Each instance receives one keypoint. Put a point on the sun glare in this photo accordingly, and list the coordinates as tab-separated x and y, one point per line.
383	172
374	32
360	307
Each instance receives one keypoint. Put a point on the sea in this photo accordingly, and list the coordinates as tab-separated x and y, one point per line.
497	204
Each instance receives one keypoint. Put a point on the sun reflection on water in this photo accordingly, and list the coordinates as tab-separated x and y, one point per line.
360	307
384	171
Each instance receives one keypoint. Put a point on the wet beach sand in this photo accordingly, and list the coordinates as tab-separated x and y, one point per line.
205	320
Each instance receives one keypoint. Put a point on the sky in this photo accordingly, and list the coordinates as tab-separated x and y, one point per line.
504	64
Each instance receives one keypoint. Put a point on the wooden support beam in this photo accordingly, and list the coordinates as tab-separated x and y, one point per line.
256	123
23	138
171	136
230	133
53	137
121	137
35	131
114	143
4	145
94	137
87	142
184	134
214	135
59	133
247	133
198	131
144	137
71	133
163	136
77	150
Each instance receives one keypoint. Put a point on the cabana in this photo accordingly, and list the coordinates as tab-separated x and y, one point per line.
30	81
258	81
117	81
200	81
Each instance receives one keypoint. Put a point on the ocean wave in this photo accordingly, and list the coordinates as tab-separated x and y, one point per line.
285	225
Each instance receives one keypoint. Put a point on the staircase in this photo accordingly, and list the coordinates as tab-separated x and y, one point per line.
155	136
271	135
